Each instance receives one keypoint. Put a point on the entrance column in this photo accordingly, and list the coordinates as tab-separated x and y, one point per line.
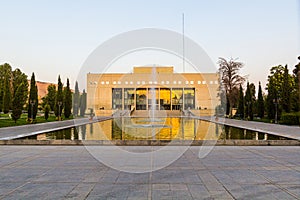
158	98
183	96
147	94
171	103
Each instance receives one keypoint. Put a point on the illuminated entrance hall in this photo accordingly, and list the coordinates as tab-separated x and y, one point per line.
153	98
152	88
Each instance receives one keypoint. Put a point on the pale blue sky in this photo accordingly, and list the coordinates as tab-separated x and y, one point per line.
55	37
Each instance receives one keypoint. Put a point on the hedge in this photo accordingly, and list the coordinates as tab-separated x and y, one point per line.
290	118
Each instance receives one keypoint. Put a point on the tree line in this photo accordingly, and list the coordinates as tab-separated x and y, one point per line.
16	96
280	104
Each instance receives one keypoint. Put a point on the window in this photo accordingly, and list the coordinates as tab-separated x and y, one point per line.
141	99
126	82
162	82
203	82
128	98
216	82
107	82
167	82
179	82
165	98
119	82
116	98
131	82
199	82
153	98
186	82
174	82
191	82
177	98
138	82
189	98
114	82
102	82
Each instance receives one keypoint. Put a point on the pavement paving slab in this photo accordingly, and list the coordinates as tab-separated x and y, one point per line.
71	172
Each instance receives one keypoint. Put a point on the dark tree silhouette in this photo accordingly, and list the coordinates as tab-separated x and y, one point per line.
230	79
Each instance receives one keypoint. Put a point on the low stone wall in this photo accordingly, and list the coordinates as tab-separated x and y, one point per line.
156	142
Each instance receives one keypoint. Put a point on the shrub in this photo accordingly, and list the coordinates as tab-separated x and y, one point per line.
290	118
47	110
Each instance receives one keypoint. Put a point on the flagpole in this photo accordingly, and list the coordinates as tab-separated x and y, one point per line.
183	45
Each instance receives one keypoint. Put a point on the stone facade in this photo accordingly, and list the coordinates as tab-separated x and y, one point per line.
157	88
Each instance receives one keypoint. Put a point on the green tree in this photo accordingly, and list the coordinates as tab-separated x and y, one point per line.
240	108
6	94
67	100
18	102
51	96
76	99
33	99
18	78
59	99
295	101
5	73
82	103
253	97
248	103
275	81
272	99
230	80
286	91
260	103
46	111
276	74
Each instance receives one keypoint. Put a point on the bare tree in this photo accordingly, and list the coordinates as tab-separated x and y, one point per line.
230	79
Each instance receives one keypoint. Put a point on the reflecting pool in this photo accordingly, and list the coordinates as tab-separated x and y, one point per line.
175	128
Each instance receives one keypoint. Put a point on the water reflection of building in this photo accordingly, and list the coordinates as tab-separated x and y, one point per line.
174	129
157	88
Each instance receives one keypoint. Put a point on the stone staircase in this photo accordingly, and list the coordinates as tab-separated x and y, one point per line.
157	113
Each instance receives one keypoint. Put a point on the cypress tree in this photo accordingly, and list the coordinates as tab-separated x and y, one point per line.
260	103
59	99
67	100
18	78
76	99
6	94
240	110
272	96
51	96
47	110
296	92
33	99
82	103
5	87
286	91
248	103
18	103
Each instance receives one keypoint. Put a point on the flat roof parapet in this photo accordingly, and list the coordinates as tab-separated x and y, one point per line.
149	70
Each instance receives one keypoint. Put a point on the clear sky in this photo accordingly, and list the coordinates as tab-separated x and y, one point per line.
55	37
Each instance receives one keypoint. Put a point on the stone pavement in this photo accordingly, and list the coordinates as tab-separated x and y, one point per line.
274	129
227	172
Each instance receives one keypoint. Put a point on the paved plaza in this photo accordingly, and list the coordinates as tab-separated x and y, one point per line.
227	172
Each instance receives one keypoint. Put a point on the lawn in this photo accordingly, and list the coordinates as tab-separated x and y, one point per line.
6	121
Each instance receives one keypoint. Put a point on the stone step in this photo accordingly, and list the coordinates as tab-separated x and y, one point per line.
156	113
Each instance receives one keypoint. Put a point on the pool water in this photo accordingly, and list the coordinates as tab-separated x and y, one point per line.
154	129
